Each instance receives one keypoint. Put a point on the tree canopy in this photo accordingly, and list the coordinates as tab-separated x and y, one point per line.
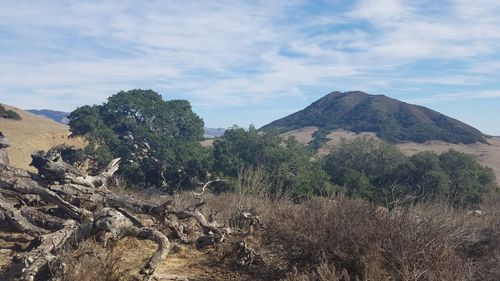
288	164
158	140
378	171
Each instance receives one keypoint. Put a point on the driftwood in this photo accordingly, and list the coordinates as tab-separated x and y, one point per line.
61	207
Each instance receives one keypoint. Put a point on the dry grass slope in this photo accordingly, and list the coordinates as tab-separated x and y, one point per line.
33	133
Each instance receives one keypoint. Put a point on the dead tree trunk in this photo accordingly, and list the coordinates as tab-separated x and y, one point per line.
4	158
61	207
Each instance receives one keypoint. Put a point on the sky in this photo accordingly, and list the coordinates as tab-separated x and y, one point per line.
251	62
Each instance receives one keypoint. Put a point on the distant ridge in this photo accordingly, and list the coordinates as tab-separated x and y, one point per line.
392	120
62	117
211	133
58	116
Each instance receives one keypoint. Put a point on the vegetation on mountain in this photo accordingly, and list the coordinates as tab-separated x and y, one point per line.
157	140
8	114
390	119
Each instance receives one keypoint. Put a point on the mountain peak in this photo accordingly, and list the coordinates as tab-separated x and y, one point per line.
391	119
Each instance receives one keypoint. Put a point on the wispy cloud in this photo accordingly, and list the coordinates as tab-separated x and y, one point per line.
455	96
233	53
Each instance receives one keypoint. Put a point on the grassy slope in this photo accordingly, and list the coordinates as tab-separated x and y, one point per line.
32	133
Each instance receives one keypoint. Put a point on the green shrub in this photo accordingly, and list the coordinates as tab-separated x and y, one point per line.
9	114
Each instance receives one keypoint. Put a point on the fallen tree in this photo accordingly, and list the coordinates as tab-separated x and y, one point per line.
60	207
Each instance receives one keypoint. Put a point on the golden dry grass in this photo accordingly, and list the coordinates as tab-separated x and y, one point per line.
207	142
33	133
303	135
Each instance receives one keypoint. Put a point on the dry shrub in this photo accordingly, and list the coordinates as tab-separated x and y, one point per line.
484	250
337	239
251	195
91	262
421	243
322	272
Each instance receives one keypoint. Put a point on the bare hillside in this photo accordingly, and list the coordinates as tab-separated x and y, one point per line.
33	133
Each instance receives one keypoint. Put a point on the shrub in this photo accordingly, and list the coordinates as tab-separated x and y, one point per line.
8	114
420	243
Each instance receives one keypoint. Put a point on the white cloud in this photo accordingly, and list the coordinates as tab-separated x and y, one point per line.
456	96
238	52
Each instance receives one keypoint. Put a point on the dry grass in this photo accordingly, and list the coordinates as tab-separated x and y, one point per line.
33	133
332	237
303	135
337	239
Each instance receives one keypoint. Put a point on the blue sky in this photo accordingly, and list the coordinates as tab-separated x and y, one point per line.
242	62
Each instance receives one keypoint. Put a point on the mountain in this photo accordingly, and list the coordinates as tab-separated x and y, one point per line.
31	133
211	133
58	116
390	119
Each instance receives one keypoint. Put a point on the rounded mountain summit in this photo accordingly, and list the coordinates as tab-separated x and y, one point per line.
392	120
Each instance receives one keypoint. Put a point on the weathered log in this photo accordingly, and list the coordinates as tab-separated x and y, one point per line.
168	277
25	186
51	166
113	225
17	220
42	219
62	207
4	157
44	253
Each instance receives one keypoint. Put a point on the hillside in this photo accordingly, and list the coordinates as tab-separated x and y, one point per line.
390	119
32	133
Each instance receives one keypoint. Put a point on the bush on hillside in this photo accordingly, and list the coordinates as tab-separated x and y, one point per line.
8	114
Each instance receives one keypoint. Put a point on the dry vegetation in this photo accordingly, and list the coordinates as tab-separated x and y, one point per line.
322	239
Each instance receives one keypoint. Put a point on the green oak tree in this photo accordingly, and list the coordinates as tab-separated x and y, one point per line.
158	140
287	164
